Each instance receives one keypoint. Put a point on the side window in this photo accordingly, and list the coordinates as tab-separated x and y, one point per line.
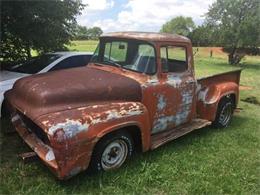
115	51
71	62
144	60
174	59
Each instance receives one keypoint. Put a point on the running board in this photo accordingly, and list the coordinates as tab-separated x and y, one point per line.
162	138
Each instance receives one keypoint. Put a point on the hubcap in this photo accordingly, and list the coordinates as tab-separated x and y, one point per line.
225	114
114	155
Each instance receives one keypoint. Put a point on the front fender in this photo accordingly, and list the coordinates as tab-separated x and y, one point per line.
73	133
209	97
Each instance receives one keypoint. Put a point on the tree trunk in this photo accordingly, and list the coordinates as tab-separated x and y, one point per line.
235	56
231	56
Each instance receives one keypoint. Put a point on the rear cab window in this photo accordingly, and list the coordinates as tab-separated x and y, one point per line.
174	58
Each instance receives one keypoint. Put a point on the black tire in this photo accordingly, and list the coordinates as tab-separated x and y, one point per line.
100	156
224	112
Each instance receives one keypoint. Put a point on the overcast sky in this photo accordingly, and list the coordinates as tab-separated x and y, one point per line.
139	15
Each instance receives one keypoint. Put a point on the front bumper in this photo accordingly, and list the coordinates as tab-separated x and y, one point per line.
44	151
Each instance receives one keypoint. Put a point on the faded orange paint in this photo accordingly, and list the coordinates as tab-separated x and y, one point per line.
62	115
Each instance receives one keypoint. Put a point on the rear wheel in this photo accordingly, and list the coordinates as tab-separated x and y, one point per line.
111	152
224	112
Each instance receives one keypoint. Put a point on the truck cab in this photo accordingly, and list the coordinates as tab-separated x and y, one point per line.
138	92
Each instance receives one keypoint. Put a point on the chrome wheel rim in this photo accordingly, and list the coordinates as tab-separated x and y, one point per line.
225	114
114	155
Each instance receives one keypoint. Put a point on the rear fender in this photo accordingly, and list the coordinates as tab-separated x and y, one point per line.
209	96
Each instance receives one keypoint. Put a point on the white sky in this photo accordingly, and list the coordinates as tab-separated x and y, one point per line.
139	15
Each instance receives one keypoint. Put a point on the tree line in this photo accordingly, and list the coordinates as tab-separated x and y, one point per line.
84	33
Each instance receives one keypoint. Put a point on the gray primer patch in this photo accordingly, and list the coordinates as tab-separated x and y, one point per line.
173	80
70	128
151	82
162	123
50	155
161	103
73	127
202	95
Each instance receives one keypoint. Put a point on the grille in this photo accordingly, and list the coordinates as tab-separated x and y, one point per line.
32	127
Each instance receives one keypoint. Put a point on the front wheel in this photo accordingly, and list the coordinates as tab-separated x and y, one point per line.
224	112
111	152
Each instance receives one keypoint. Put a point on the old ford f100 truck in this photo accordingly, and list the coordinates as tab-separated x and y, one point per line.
137	93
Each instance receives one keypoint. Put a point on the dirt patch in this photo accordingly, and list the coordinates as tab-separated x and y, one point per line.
243	87
251	100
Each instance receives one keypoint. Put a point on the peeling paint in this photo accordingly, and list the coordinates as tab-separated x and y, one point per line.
73	127
50	155
152	81
202	94
198	87
162	123
161	103
15	118
70	128
173	80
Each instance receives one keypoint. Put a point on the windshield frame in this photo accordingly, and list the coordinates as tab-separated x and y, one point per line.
101	48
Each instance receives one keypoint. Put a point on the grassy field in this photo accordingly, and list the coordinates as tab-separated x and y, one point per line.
206	161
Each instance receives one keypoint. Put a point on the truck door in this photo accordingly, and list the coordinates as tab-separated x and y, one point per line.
176	94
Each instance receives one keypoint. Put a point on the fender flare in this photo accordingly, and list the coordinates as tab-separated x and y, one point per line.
209	97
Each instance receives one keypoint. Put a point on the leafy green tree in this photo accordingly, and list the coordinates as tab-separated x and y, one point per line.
40	25
179	25
84	33
94	33
203	36
237	25
81	33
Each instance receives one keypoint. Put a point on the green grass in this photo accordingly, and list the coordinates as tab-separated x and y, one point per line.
206	161
89	45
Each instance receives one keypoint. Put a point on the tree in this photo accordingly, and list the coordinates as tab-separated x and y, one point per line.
237	25
94	33
39	25
84	33
81	33
203	36
179	25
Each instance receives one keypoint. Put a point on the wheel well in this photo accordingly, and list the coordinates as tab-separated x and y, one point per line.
134	132
232	96
233	99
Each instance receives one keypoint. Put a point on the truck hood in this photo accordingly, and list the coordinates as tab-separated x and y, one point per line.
72	88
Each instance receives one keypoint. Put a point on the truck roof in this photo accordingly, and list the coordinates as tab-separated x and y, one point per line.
148	36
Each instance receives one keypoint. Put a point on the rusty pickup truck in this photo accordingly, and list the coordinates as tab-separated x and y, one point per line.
138	92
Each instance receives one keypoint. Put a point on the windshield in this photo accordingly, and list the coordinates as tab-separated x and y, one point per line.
35	65
132	55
